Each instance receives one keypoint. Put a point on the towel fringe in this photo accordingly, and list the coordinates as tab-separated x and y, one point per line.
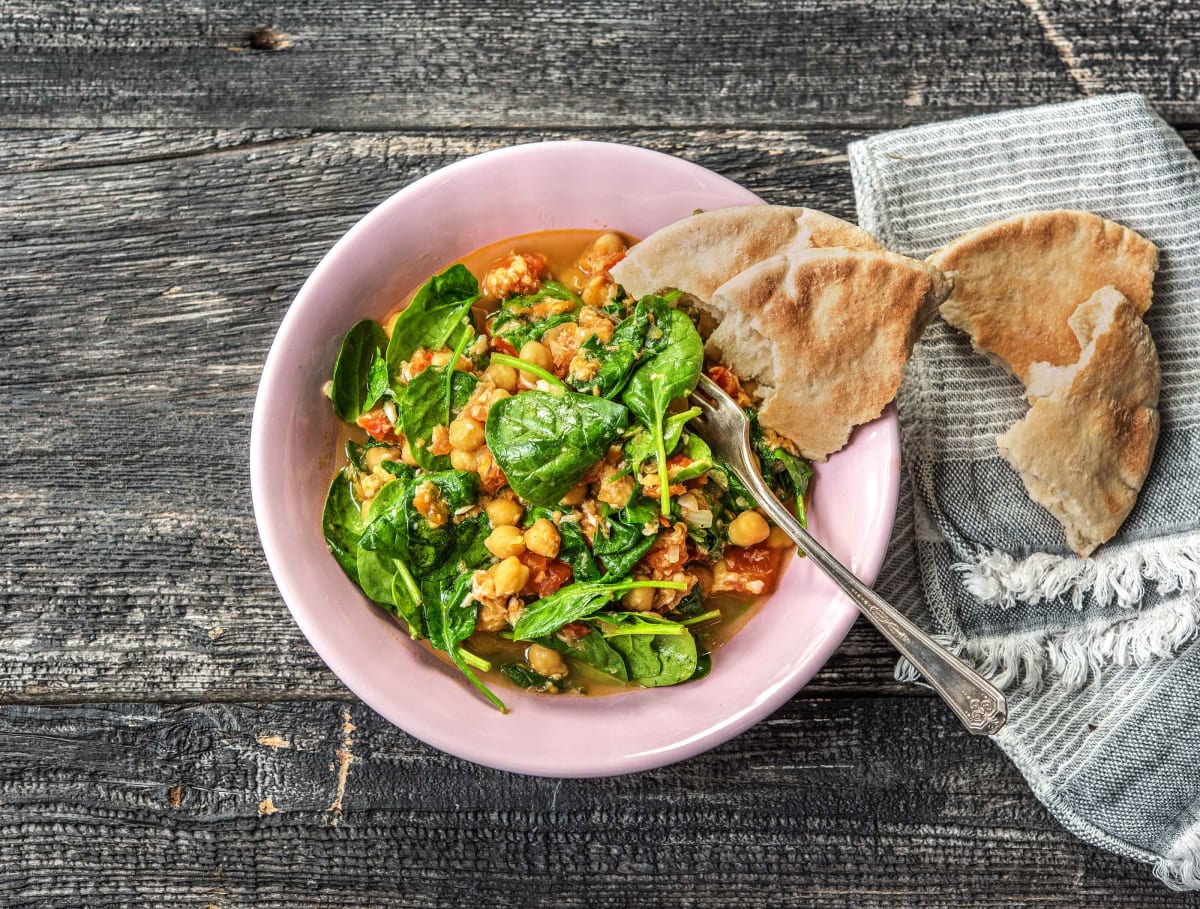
1179	869
1118	577
1076	656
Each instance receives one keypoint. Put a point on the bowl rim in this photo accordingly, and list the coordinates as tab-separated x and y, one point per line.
869	560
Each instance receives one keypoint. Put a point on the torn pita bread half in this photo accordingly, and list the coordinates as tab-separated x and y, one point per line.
825	335
700	253
1017	282
1085	447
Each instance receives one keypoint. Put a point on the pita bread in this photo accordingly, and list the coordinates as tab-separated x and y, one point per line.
1085	447
826	335
1017	281
700	253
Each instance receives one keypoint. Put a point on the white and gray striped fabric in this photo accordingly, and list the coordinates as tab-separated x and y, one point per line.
1100	654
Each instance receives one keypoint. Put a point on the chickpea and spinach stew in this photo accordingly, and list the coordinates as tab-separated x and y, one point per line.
520	487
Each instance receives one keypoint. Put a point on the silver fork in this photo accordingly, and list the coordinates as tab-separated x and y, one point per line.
974	700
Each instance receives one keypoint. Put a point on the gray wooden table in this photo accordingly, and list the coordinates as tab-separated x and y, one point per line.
169	174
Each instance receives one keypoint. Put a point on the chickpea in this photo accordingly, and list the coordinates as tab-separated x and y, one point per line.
779	540
575	496
502	376
546	662
509	576
639	600
497	394
373	458
542	538
463	460
406	455
466	434
538	354
440	358
504	512
748	529
506	540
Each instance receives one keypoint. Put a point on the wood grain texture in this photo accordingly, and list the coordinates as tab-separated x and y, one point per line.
144	275
851	803
446	63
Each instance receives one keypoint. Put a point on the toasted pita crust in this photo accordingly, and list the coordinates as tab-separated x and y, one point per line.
826	335
700	253
1085	447
1017	281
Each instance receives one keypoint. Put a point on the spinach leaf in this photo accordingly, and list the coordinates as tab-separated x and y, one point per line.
450	619
402	532
377	381
524	677
622	539
341	522
655	661
352	393
432	394
591	651
573	602
545	443
701	457
785	469
671	373
642	444
513	322
382	578
573	549
615	359
436	316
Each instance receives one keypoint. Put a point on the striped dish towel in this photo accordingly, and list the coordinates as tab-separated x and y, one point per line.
1100	655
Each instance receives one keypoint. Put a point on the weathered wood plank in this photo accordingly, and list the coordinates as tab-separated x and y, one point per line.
451	62
851	803
143	276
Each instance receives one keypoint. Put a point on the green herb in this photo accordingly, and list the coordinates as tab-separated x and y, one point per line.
545	443
573	602
436	316
671	373
430	400
354	375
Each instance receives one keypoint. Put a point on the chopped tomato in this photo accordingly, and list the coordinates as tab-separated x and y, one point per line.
420	361
499	345
726	379
545	575
378	426
747	570
491	477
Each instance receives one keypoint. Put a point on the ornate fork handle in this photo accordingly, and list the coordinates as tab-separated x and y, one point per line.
974	700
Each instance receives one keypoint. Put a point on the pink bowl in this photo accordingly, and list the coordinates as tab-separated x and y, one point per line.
292	446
